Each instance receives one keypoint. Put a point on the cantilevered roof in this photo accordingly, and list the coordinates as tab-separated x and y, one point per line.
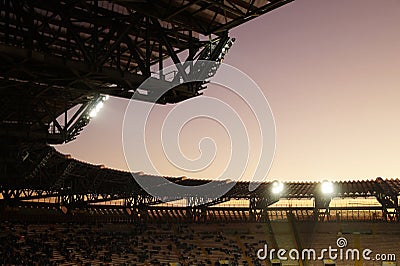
204	16
57	173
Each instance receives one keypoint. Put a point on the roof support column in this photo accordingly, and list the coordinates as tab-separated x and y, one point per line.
321	208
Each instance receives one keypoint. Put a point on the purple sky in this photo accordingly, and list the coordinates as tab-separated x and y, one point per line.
331	73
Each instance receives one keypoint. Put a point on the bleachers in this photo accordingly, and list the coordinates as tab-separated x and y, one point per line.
186	243
113	244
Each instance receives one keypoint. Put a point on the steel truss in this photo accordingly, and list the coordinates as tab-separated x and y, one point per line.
56	55
51	179
59	60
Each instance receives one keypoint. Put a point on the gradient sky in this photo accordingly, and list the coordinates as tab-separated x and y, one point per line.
331	73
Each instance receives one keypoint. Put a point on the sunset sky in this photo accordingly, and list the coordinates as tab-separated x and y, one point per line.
331	73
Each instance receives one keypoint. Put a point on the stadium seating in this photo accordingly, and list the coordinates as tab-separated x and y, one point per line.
184	243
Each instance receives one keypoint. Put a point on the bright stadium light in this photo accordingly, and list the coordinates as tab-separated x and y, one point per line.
327	187
99	106
93	113
277	187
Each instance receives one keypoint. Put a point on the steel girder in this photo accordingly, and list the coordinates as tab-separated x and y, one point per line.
60	55
56	55
49	177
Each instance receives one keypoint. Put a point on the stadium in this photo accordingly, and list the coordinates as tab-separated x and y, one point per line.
62	60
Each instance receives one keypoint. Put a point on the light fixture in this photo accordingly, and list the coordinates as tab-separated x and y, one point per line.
99	106
225	49
93	113
327	187
142	91
277	187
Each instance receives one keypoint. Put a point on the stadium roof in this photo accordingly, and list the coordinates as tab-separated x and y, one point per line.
56	55
54	173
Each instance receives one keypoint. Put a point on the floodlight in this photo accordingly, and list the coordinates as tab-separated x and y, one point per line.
277	187
327	187
142	91
93	113
95	108
99	106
